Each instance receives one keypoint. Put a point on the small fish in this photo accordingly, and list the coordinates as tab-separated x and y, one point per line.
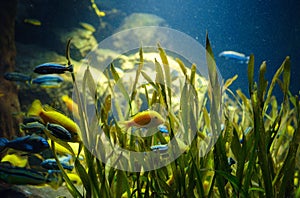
30	119
74	178
34	22
59	132
144	119
51	164
62	150
242	58
29	143
50	115
46	81
160	147
163	128
32	127
15	76
88	26
71	105
52	68
50	85
24	176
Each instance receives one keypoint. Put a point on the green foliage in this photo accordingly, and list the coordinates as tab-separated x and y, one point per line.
260	135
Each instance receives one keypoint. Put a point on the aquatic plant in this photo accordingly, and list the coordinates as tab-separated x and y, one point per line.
258	134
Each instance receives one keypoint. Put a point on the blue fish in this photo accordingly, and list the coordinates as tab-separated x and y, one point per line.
51	164
241	58
159	147
52	68
47	78
29	143
163	128
15	76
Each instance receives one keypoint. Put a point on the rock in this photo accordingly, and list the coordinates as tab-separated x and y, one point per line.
141	19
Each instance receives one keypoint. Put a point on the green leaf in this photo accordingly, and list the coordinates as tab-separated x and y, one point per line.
84	177
251	73
231	178
182	67
72	189
138	72
119	84
262	83
229	81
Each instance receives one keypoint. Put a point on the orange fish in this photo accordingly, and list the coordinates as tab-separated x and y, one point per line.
144	119
71	105
50	115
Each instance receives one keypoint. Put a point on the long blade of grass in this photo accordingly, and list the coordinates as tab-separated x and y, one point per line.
251	73
120	85
72	189
167	72
138	72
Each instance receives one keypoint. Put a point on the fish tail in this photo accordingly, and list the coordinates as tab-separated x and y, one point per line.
125	125
35	109
70	68
3	143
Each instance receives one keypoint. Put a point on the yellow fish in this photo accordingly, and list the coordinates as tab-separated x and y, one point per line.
15	160
62	150
144	119
53	116
71	105
34	22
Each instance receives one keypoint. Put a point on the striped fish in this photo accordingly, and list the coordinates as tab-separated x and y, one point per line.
24	176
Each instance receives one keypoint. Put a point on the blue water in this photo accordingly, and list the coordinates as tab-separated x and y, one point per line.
270	29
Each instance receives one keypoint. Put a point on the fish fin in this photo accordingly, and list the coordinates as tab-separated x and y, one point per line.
49	108
70	68
28	147
35	109
124	125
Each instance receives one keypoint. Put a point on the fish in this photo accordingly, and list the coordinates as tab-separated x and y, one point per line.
51	164
48	81
50	115
15	76
52	68
15	160
242	58
30	143
88	26
160	147
34	22
62	150
32	127
59	131
144	119
71	105
74	178
23	176
162	128
30	119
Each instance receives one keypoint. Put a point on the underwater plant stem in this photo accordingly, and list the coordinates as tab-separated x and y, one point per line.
259	133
